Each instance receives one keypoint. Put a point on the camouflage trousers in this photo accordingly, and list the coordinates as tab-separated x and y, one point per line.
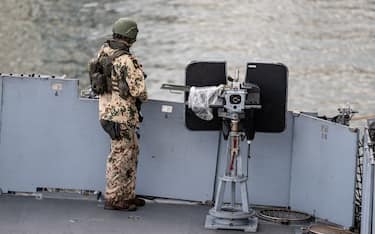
122	167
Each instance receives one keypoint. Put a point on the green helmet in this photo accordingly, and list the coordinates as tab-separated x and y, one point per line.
126	28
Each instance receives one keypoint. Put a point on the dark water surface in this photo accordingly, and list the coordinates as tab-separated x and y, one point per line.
329	46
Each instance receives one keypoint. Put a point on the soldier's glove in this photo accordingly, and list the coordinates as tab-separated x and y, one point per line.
138	104
112	128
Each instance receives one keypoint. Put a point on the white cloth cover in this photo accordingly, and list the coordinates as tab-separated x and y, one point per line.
200	99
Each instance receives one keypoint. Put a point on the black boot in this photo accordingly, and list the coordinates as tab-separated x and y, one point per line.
124	206
138	201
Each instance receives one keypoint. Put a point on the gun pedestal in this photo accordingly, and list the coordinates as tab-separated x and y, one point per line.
233	215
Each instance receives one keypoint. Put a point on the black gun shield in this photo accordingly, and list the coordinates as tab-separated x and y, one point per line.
203	74
272	80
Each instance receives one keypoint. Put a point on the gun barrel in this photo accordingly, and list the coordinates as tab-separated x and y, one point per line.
175	87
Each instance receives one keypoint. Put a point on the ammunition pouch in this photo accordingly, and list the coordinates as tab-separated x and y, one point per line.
100	72
123	88
97	79
106	63
112	128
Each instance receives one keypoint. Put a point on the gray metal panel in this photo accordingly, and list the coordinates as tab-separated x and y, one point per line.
56	141
367	219
1	105
323	169
269	166
175	162
49	140
1	114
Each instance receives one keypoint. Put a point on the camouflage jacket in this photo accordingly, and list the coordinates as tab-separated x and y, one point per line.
111	105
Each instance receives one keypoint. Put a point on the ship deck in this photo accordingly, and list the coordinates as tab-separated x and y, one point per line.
62	216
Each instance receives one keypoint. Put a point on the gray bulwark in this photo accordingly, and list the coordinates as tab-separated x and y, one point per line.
323	169
268	167
52	138
49	137
1	105
175	162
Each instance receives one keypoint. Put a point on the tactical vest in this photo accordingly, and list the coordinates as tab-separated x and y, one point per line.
100	72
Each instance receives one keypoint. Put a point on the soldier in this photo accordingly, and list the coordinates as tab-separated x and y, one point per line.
124	89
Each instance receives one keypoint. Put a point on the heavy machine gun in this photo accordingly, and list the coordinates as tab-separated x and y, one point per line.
238	109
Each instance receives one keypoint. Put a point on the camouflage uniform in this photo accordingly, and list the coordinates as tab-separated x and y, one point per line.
122	160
